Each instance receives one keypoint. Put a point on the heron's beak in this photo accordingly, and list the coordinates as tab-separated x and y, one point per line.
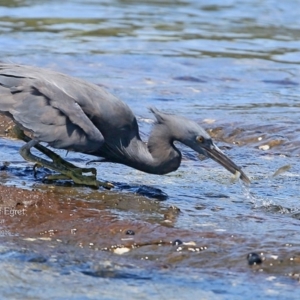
217	155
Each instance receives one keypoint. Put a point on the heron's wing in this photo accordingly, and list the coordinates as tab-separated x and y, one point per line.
51	114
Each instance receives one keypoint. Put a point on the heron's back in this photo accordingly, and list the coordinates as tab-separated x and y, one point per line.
62	110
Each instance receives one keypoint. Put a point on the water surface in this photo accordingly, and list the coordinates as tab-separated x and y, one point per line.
233	66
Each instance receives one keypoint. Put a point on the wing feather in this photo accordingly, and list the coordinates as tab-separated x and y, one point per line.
43	107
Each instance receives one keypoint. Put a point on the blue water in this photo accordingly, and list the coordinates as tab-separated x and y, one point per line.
233	66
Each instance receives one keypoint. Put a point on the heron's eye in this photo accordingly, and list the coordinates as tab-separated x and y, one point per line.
200	139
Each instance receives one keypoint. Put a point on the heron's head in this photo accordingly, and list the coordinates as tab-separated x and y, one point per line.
194	136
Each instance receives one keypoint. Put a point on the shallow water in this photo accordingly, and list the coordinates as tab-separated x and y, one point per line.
234	68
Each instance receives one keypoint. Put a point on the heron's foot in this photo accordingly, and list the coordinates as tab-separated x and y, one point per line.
65	169
70	171
83	170
87	180
61	163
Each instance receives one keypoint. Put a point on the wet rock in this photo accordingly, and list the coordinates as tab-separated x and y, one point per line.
143	190
37	259
171	215
200	207
12	198
130	232
271	144
121	250
254	259
264	147
286	82
189	78
116	274
177	242
4	166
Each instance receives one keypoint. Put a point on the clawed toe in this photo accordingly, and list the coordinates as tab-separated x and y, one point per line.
78	178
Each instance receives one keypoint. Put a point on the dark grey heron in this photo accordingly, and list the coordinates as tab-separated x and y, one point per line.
71	114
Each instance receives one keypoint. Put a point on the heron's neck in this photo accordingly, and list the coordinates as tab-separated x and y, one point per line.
159	155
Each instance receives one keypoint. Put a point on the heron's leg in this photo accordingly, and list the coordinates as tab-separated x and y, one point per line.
64	169
60	161
55	158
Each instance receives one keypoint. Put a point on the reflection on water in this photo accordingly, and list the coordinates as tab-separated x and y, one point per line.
233	66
